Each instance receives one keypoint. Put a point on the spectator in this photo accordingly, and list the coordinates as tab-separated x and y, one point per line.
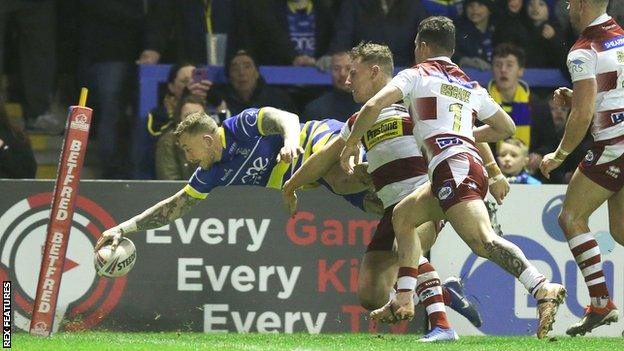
509	91
336	103
179	31
393	23
247	88
513	159
16	156
513	26
297	31
35	29
474	35
547	127
449	8
171	164
546	48
111	37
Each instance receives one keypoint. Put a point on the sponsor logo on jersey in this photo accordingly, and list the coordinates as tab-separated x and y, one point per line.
617	117
445	142
455	92
254	173
383	130
614	43
620	56
589	157
577	66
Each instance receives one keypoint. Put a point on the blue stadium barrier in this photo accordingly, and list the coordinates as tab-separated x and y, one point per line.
150	76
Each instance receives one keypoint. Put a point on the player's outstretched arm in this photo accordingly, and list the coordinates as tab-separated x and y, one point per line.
315	167
498	183
286	124
498	127
156	216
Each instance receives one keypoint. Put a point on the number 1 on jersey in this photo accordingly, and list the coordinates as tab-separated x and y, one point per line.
456	108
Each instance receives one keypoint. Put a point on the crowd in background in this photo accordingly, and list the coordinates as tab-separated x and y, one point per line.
50	48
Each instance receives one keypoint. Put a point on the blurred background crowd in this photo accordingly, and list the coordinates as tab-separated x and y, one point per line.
50	48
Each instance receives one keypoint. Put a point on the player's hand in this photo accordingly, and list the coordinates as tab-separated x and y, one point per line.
360	174
499	189
534	161
113	234
563	97
288	153
349	153
549	163
290	198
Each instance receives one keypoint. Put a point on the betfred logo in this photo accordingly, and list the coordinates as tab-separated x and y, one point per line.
84	298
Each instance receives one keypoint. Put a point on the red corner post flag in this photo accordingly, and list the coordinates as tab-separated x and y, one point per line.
59	226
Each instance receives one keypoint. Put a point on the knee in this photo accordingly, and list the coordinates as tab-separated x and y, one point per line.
372	298
570	222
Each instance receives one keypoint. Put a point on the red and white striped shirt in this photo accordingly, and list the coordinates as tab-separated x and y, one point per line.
599	53
394	159
443	103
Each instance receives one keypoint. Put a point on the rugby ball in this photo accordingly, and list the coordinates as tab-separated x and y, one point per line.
115	264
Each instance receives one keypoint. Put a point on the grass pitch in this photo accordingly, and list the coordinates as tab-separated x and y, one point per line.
100	341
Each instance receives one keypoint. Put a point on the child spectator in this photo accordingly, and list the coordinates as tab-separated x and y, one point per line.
513	25
546	48
513	157
474	47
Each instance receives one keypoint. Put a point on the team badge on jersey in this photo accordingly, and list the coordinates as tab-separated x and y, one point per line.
589	157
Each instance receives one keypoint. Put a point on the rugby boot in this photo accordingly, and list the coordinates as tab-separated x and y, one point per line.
594	317
549	297
460	303
439	334
399	308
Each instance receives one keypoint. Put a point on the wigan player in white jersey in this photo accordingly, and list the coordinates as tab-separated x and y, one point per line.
444	103
397	168
596	65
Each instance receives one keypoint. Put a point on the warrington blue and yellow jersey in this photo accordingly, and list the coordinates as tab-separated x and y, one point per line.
250	156
519	109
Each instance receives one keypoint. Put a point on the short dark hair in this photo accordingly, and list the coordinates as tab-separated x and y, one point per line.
173	72
438	31
374	54
506	49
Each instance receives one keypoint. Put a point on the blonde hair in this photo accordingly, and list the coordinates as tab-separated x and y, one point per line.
518	143
196	122
374	54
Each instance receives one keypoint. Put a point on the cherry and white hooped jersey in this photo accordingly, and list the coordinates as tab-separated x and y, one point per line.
394	160
599	53
443	103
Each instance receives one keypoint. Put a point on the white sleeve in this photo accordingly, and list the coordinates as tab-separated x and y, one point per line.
582	64
345	131
488	106
406	81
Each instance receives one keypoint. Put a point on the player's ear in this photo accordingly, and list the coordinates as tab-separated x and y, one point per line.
209	139
375	71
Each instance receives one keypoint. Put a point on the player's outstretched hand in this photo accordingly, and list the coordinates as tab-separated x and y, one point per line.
563	97
113	234
349	153
289	153
499	189
548	164
290	199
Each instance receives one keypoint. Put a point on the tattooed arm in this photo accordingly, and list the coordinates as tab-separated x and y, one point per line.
286	124
156	216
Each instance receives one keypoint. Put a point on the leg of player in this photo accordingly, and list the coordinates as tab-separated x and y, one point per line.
379	268
582	198
408	215
471	221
